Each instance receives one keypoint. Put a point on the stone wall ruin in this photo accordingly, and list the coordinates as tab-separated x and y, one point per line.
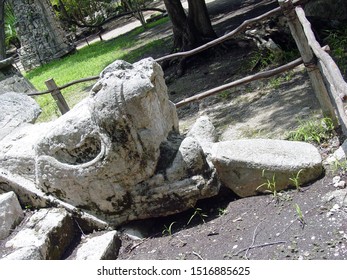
41	35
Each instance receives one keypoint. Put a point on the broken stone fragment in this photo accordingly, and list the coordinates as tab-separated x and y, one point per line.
204	132
103	246
11	214
46	236
245	165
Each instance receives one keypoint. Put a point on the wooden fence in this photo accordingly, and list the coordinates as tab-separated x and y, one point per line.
326	78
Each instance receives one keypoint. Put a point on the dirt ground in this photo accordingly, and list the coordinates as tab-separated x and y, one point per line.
306	224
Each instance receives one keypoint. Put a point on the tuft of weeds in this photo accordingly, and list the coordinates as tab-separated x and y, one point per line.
276	82
296	179
262	59
313	131
197	213
225	94
168	229
338	166
270	184
300	215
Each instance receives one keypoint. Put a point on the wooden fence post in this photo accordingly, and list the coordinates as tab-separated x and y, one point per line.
309	59
57	96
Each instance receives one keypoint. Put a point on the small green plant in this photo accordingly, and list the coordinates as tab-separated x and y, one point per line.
225	94
313	131
275	82
168	230
299	214
296	179
197	212
270	184
264	58
222	212
338	166
279	80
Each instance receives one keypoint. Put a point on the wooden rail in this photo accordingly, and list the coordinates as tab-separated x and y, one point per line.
337	87
248	79
309	60
326	78
65	86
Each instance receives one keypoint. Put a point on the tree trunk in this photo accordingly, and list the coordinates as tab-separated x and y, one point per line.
187	34
198	15
2	30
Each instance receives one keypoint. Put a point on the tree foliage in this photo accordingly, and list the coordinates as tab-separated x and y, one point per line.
2	30
8	34
85	12
93	12
11	37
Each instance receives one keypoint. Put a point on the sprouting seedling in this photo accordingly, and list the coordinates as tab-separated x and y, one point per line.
222	212
270	185
296	179
197	212
168	230
300	216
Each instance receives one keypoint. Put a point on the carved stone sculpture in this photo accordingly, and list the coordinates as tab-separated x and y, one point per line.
118	154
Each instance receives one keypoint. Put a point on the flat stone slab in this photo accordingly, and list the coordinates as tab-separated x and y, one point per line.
46	236
245	165
11	213
100	247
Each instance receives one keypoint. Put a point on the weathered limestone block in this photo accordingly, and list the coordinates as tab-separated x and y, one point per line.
100	247
240	164
46	236
16	109
11	214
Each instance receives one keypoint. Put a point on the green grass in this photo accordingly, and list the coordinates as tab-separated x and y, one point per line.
314	131
86	62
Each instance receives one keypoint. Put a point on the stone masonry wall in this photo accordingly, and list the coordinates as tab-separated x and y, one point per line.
41	35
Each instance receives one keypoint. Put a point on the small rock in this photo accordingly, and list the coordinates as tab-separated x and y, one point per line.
338	155
336	179
335	208
340	185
